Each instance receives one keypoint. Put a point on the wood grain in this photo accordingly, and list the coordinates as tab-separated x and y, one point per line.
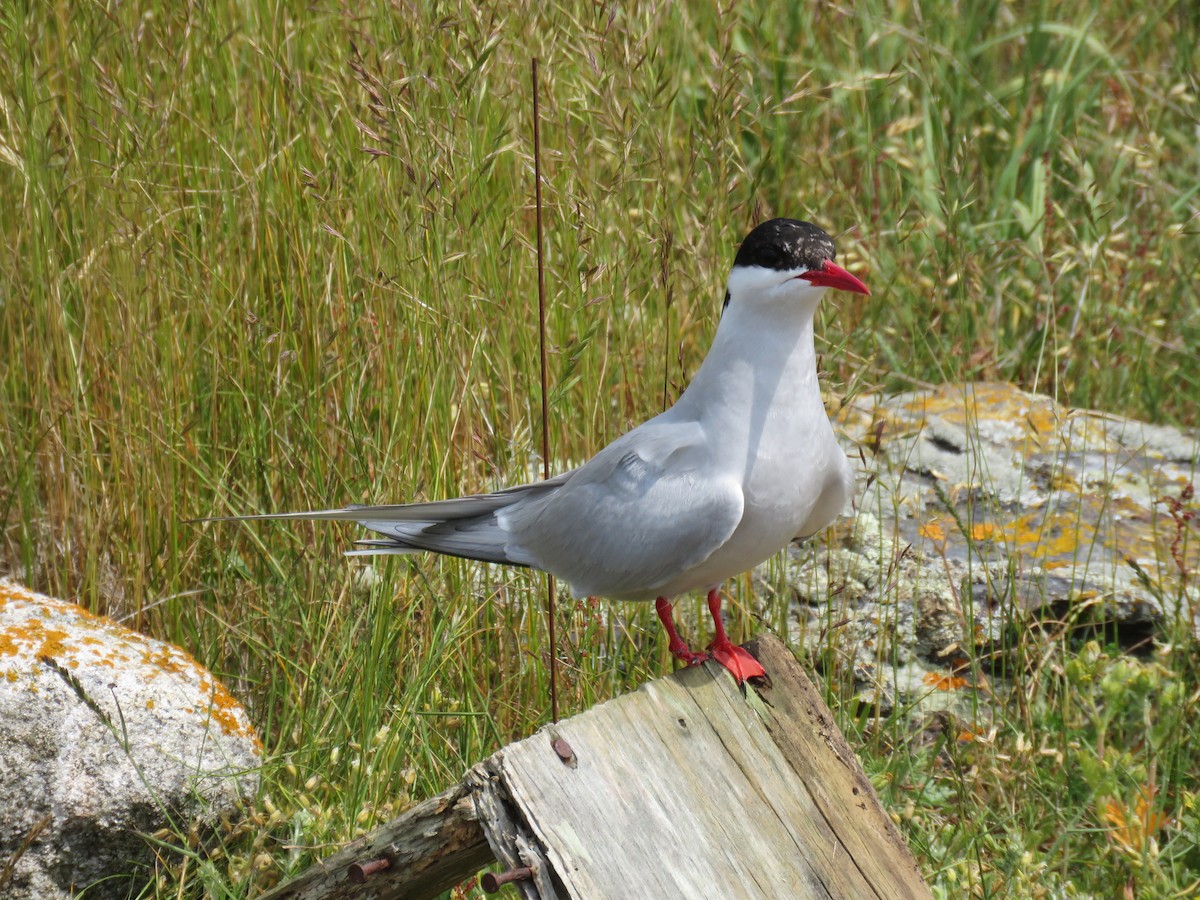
681	789
685	787
432	847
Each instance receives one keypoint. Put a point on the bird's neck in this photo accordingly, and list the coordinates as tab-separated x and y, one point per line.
760	359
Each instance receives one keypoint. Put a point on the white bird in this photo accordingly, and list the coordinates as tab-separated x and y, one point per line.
743	463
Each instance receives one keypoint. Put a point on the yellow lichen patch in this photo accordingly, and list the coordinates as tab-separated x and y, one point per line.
856	416
1052	540
1064	481
982	531
1043	420
993	395
223	709
10	591
32	638
167	659
1094	432
36	626
48	606
940	403
969	735
991	400
942	682
932	530
1038	418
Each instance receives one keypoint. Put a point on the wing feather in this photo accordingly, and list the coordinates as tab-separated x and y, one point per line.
465	526
646	509
433	511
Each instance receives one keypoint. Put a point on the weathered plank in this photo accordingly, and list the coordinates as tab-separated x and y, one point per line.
429	848
685	787
802	726
507	834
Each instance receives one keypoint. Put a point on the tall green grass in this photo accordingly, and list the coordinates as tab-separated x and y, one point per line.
259	257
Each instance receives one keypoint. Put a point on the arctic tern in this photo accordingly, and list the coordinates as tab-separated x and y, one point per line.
743	463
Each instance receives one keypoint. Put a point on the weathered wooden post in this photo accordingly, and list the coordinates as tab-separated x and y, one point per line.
682	788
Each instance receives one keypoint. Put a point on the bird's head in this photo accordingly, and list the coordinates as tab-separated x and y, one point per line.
789	262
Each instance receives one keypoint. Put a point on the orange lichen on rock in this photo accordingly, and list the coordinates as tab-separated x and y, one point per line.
33	626
942	682
1053	538
932	530
982	531
223	708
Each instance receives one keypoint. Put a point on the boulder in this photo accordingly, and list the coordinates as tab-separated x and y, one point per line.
983	508
105	735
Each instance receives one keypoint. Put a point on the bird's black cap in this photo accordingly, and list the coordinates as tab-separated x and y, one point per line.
784	244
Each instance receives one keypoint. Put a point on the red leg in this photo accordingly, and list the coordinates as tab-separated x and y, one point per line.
735	659
677	647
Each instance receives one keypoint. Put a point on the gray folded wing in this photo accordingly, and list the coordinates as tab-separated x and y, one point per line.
644	511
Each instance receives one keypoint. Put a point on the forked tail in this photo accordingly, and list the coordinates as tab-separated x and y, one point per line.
470	527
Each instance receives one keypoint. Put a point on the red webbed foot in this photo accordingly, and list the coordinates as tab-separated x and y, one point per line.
732	657
722	650
736	660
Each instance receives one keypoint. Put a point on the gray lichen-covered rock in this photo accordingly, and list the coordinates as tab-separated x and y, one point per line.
981	505
104	733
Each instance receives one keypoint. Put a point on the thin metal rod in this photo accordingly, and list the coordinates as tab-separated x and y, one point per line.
541	273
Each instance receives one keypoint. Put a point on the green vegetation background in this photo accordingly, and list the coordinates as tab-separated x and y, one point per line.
259	256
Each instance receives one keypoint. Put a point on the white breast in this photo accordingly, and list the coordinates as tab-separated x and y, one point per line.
793	495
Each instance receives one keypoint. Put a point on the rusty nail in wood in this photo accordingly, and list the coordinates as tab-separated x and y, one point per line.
360	872
493	881
563	749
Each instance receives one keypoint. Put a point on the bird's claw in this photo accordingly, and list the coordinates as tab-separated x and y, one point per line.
688	656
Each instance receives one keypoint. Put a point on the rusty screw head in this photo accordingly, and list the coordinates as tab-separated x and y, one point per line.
359	872
493	881
562	748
